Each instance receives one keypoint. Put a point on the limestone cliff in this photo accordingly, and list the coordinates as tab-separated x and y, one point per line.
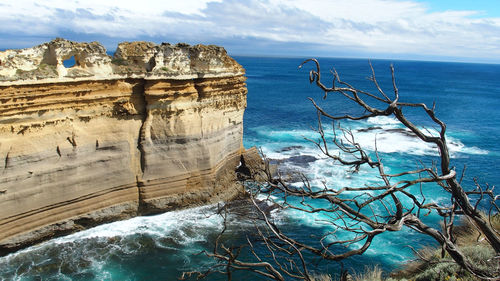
153	128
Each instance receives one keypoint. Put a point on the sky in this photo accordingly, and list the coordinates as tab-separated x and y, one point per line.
443	30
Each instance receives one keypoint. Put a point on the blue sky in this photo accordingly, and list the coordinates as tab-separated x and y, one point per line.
486	8
449	30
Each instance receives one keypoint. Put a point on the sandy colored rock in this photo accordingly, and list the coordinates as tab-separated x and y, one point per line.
97	142
45	63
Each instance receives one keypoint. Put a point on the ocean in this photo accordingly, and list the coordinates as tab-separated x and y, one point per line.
277	120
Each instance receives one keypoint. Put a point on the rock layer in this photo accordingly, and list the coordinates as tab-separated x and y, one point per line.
154	128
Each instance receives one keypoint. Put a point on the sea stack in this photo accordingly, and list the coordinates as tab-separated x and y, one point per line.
151	129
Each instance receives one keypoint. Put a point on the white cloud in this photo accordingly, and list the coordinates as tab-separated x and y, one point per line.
368	11
370	26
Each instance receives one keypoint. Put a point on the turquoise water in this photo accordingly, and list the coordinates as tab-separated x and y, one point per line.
277	119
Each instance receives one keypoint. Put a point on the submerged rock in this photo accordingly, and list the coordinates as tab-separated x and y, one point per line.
301	160
298	160
291	148
402	131
369	129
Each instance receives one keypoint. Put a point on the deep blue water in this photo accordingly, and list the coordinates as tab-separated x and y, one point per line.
278	116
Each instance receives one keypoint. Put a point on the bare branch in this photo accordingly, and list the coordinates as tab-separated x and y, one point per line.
392	202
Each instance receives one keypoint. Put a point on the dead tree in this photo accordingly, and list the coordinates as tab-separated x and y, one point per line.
356	215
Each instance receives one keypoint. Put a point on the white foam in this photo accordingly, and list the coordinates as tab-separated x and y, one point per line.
474	150
402	140
261	197
162	225
387	142
383	120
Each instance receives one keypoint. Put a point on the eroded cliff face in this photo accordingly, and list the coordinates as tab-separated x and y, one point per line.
154	128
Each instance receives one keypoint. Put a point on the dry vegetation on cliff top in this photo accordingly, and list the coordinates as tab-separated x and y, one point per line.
432	265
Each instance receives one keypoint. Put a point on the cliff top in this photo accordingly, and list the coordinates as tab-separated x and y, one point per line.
45	62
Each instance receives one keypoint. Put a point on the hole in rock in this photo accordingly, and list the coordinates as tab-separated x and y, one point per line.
69	62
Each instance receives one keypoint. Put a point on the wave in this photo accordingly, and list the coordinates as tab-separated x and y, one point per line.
142	248
157	225
91	252
382	133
